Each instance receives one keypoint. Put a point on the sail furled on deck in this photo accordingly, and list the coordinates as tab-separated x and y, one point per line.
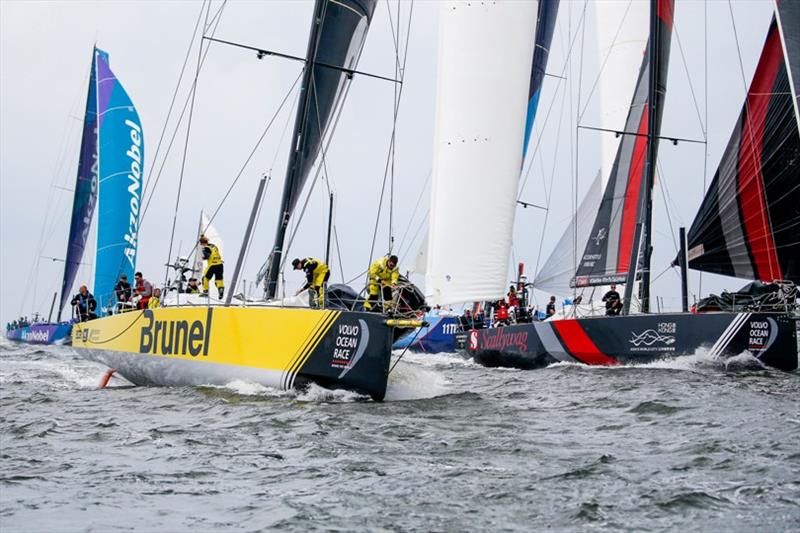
338	31
545	25
748	225
121	175
607	256
85	196
479	129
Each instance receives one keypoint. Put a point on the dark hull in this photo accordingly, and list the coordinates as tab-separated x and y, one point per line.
770	337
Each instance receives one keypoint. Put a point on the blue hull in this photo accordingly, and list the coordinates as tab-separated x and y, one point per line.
440	336
42	333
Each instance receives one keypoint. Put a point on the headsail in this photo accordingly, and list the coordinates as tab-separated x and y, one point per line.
121	159
338	31
559	269
478	142
545	24
748	223
607	256
205	228
85	198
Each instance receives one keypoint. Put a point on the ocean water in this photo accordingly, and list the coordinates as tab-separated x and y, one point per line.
686	445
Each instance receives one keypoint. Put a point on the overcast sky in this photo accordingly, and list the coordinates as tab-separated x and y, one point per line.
45	55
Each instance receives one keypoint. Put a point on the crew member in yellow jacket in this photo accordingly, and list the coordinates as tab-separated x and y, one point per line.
214	268
317	274
383	276
155	300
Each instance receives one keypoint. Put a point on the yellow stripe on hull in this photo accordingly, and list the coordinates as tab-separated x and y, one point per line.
277	345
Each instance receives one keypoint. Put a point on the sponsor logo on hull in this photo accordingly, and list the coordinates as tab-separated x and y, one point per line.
499	339
178	337
660	339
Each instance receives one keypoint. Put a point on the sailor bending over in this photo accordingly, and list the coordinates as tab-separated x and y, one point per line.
317	274
383	276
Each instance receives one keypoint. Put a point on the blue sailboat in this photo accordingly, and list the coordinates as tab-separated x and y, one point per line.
111	127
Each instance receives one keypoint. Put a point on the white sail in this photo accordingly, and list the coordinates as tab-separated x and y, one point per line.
420	264
554	277
205	228
622	30
484	58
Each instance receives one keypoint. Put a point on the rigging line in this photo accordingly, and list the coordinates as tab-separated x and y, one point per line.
662	187
705	107
416	232
253	151
549	109
261	53
605	60
323	146
552	178
174	97
185	151
391	141
289	115
339	251
172	140
577	152
691	86
416	206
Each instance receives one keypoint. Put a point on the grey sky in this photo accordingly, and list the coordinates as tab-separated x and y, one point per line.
44	61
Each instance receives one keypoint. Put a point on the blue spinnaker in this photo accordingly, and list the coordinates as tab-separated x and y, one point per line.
121	180
548	9
85	198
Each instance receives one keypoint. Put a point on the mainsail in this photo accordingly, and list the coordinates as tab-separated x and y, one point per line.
748	223
338	31
607	256
121	170
481	106
85	198
545	24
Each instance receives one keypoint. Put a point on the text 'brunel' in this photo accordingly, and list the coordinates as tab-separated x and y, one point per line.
175	337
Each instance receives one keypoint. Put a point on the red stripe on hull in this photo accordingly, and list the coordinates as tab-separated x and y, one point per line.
579	345
632	192
751	181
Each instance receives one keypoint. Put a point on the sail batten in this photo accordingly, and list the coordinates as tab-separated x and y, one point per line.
747	224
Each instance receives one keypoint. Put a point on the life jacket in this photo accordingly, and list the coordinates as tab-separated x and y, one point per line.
153	303
212	255
502	313
314	267
380	271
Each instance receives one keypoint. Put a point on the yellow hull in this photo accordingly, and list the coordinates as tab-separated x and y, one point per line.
278	347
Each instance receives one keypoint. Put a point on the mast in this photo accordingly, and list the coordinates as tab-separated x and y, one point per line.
652	146
660	12
289	184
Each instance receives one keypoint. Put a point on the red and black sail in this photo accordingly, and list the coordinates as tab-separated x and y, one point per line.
607	256
748	224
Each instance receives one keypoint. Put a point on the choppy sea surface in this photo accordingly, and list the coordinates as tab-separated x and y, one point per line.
686	445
